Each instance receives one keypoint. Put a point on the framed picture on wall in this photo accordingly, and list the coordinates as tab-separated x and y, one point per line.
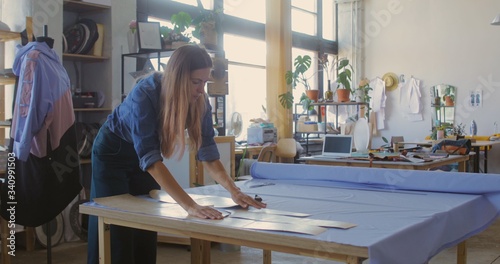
149	36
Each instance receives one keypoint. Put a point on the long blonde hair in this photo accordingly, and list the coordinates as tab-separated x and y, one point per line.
176	111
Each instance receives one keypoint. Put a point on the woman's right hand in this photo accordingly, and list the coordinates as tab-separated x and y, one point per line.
205	212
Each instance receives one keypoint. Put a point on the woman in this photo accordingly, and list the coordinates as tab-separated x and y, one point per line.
151	122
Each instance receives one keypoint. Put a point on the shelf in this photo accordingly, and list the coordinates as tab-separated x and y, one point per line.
7	80
79	6
333	128
82	57
9	35
85	161
161	54
339	103
103	109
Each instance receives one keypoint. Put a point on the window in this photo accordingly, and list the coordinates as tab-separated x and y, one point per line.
247	79
304	16
254	10
328	14
313	25
207	4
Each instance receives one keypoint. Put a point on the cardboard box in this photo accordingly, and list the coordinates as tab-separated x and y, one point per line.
307	127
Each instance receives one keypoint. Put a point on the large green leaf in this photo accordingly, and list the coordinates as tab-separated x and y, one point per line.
286	100
181	21
302	64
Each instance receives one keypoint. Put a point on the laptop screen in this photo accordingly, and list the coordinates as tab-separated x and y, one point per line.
337	145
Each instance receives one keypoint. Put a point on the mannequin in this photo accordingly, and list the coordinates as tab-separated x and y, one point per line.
45	38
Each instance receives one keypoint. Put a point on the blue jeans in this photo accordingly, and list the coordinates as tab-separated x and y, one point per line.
115	170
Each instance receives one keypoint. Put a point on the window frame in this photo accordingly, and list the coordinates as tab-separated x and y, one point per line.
164	9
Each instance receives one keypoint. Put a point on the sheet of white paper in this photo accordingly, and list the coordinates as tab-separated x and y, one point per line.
266	226
130	203
294	228
241	213
276	212
207	200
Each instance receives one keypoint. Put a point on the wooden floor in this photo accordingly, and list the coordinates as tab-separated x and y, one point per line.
482	249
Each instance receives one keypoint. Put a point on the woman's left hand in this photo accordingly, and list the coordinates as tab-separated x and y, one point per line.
245	200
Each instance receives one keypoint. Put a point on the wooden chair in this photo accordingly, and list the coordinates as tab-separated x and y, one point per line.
286	150
395	140
267	154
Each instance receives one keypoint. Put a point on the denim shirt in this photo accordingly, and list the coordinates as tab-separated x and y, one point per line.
135	120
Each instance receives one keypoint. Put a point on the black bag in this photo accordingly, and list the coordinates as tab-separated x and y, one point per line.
454	147
37	190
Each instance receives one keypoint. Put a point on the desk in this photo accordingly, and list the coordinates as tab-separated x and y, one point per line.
251	151
399	220
461	159
476	147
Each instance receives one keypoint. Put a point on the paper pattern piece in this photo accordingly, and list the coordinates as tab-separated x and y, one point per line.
206	200
218	202
130	203
266	226
241	213
277	212
133	204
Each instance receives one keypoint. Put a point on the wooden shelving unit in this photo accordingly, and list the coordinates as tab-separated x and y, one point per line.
81	7
86	58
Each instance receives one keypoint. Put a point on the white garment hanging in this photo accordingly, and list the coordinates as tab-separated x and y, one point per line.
414	96
378	94
410	100
378	101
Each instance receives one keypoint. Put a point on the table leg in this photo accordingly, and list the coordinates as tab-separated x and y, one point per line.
485	162
462	253
267	256
30	238
104	242
476	160
462	166
200	251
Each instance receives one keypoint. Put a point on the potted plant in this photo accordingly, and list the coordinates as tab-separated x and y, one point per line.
439	132
207	26
306	103
449	96
362	94
176	36
296	77
458	131
344	75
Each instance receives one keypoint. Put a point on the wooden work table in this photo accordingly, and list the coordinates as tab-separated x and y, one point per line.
372	237
477	146
461	159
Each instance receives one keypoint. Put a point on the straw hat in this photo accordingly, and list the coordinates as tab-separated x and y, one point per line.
391	81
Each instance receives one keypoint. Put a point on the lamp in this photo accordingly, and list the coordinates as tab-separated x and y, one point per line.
496	21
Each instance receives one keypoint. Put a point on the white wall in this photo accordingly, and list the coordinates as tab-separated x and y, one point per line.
444	41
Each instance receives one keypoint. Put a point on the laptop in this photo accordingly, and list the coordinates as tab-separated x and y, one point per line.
336	146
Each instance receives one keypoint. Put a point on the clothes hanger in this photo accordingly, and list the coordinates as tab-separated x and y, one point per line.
45	38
